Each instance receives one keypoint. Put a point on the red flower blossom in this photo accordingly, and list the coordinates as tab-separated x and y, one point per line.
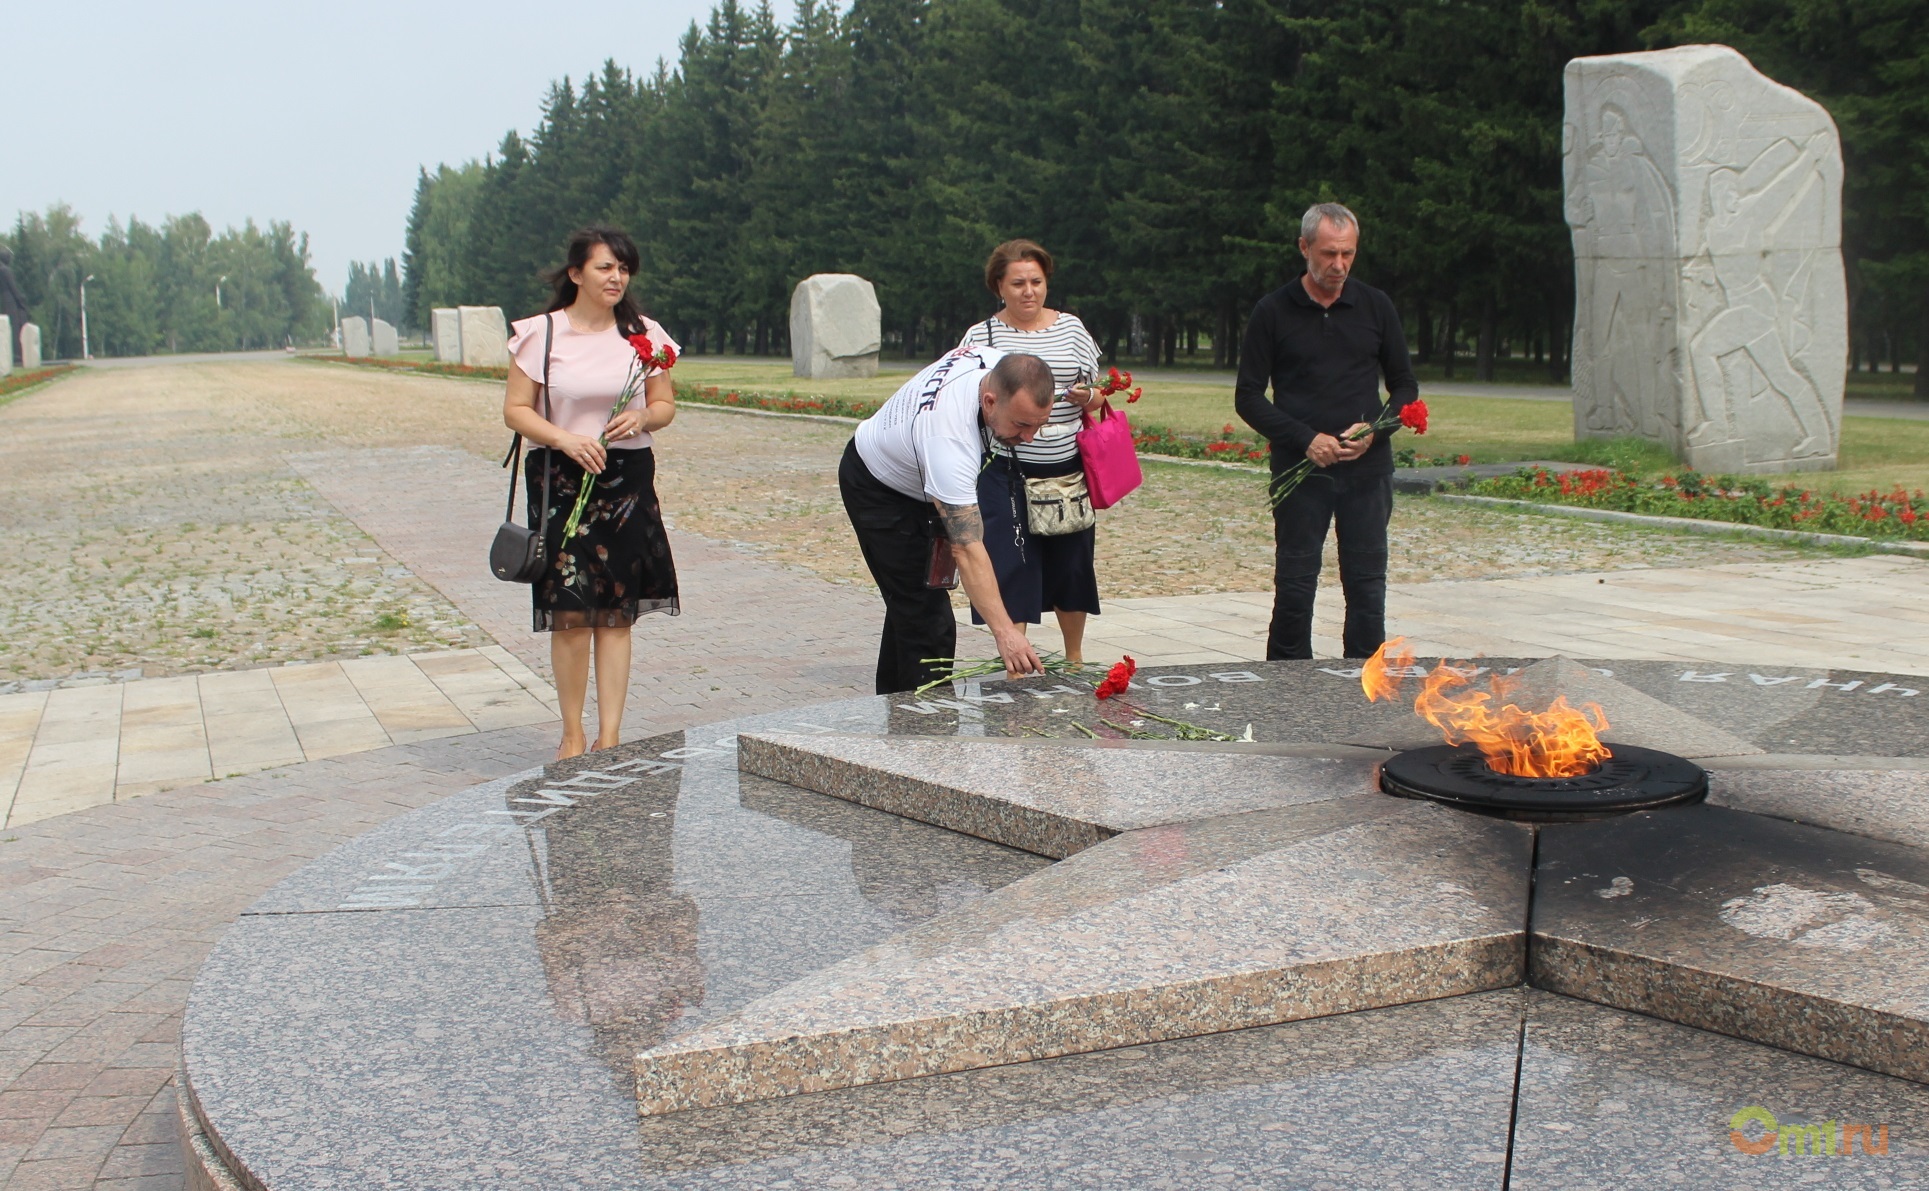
1135	395
644	348
1463	460
1413	415
1118	678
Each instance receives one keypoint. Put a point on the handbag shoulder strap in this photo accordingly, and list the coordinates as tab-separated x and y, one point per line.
513	460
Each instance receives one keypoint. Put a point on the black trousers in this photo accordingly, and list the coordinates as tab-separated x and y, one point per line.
895	533
1358	509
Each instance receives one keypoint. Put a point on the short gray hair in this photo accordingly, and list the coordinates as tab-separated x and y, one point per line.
1319	213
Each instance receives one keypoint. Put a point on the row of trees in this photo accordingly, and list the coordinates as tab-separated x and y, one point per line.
375	291
175	286
1163	150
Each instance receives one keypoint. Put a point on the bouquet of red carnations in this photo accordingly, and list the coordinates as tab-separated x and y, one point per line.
1117	382
1412	415
648	356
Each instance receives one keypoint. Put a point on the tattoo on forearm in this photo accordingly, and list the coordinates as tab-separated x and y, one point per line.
962	524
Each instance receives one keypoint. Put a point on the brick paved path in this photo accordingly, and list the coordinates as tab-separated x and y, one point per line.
108	912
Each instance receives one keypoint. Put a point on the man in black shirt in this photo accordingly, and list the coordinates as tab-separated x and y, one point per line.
1324	342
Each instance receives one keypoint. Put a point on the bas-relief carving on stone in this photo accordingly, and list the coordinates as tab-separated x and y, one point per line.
355	342
483	335
1711	312
836	327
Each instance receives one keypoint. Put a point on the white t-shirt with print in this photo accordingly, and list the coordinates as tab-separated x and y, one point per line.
925	442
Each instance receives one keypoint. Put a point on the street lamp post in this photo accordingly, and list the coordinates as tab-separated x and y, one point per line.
217	288
86	353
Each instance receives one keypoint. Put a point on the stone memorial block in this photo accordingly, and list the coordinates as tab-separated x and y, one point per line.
29	347
1711	312
835	327
445	332
355	340
382	338
483	336
6	345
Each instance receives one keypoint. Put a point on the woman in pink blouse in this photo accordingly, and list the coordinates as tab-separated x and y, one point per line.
568	366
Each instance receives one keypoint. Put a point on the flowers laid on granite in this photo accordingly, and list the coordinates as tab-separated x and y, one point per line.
648	356
1411	416
1897	513
964	669
1118	678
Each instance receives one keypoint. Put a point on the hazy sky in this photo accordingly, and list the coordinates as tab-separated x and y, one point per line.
317	114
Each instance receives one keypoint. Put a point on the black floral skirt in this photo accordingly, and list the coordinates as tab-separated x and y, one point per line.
617	566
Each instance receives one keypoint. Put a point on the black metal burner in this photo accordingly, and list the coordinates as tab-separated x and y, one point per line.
1631	779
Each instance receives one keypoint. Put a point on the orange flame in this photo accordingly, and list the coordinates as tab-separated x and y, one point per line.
1563	741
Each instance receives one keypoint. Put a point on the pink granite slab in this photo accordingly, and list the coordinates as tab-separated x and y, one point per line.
1163	932
1055	798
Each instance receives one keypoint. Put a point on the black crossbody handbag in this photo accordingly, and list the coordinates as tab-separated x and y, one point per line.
516	556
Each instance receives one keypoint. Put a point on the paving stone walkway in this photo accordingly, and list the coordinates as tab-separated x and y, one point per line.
78	746
1858	613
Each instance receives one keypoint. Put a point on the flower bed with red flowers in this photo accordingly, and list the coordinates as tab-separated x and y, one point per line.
430	367
783	403
14	382
1745	501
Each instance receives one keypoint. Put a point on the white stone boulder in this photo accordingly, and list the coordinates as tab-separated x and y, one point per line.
445	332
29	347
836	327
355	341
483	335
383	340
1711	312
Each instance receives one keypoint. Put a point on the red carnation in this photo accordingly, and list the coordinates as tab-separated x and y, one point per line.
668	355
1413	415
644	348
1136	394
1118	678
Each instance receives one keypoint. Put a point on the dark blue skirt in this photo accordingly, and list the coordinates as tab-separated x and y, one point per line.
1034	573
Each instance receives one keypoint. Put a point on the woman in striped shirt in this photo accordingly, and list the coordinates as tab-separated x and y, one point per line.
1037	572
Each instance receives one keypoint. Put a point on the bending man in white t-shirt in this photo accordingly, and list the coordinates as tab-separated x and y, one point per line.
910	482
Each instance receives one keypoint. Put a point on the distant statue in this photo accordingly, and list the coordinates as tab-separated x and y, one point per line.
13	303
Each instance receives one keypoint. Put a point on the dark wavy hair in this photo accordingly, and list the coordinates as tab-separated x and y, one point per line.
629	313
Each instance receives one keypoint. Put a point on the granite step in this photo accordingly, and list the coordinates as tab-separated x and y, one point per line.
1056	798
1156	933
1795	936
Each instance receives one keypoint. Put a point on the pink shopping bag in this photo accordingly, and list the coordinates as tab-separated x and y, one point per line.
1111	460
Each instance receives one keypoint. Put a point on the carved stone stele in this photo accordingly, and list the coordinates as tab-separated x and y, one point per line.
836	327
6	345
483	335
355	342
382	339
445	331
1711	313
29	347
